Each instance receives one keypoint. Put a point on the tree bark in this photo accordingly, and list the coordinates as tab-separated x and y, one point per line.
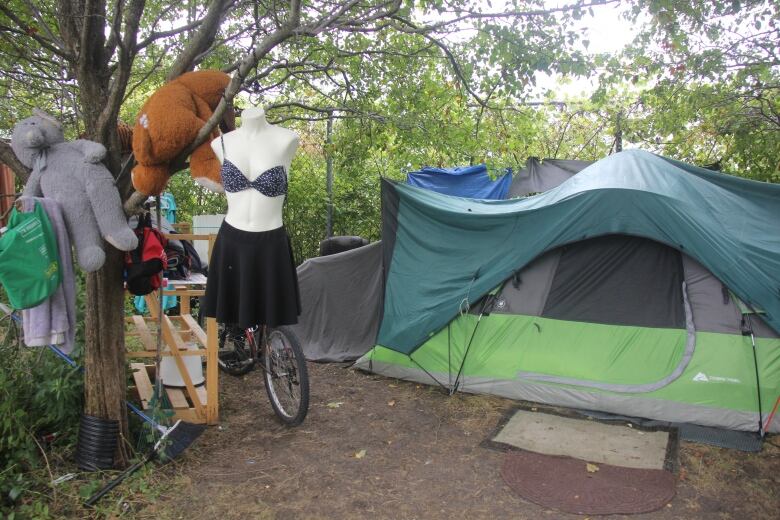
105	376
83	29
8	157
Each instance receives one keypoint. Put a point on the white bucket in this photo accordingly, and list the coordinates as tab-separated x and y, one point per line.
169	370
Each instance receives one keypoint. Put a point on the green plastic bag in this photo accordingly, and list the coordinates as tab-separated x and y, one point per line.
29	260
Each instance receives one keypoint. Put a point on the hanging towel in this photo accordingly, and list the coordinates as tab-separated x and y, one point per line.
54	320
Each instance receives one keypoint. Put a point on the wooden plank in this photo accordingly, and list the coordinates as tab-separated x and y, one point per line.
212	239
144	333
212	372
146	354
178	292
153	304
186	236
196	330
188	415
177	346
177	398
147	319
203	395
132	354
142	383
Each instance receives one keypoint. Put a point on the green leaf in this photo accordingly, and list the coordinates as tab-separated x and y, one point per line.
14	493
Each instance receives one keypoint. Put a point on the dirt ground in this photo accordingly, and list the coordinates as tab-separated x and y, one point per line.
373	447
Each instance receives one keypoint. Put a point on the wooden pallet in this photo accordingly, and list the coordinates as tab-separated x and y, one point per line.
183	407
197	404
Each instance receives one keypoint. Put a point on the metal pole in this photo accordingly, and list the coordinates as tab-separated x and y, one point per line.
758	380
160	310
329	174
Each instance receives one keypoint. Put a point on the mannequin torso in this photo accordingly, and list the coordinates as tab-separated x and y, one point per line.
255	148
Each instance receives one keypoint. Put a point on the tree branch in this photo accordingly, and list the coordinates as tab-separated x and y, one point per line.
110	112
156	35
91	37
26	30
36	13
116	25
155	66
411	28
471	15
202	39
8	157
263	48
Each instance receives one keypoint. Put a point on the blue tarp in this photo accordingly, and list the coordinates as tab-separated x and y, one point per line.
464	181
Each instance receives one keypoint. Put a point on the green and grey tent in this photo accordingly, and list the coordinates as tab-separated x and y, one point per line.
620	290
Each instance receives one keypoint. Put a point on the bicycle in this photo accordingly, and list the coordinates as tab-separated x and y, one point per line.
278	352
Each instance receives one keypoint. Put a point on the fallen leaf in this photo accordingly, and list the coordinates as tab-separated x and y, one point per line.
392	386
592	468
360	454
629	425
391	403
334	404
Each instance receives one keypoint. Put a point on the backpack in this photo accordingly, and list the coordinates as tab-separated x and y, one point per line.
179	262
196	264
144	263
183	259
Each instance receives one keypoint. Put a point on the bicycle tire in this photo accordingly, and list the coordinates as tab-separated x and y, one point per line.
234	357
284	371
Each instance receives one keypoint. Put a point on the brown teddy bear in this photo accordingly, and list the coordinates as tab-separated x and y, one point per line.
169	121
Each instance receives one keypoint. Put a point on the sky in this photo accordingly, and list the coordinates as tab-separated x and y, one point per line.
607	32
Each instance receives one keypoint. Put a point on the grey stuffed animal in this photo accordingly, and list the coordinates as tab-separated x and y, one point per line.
71	173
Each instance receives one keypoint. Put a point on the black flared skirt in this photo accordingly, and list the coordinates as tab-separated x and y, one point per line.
252	279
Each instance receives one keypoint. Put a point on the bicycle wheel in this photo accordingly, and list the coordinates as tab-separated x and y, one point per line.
285	375
235	355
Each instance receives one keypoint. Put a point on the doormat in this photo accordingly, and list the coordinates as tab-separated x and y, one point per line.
735	440
722	438
568	434
575	486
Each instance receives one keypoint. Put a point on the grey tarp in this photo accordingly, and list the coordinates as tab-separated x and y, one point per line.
341	297
542	175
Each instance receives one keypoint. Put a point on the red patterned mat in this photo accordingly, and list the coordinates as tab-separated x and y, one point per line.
575	486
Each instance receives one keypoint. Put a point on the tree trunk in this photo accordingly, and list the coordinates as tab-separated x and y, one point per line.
105	377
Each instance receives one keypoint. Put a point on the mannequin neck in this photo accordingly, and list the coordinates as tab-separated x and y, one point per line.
253	119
